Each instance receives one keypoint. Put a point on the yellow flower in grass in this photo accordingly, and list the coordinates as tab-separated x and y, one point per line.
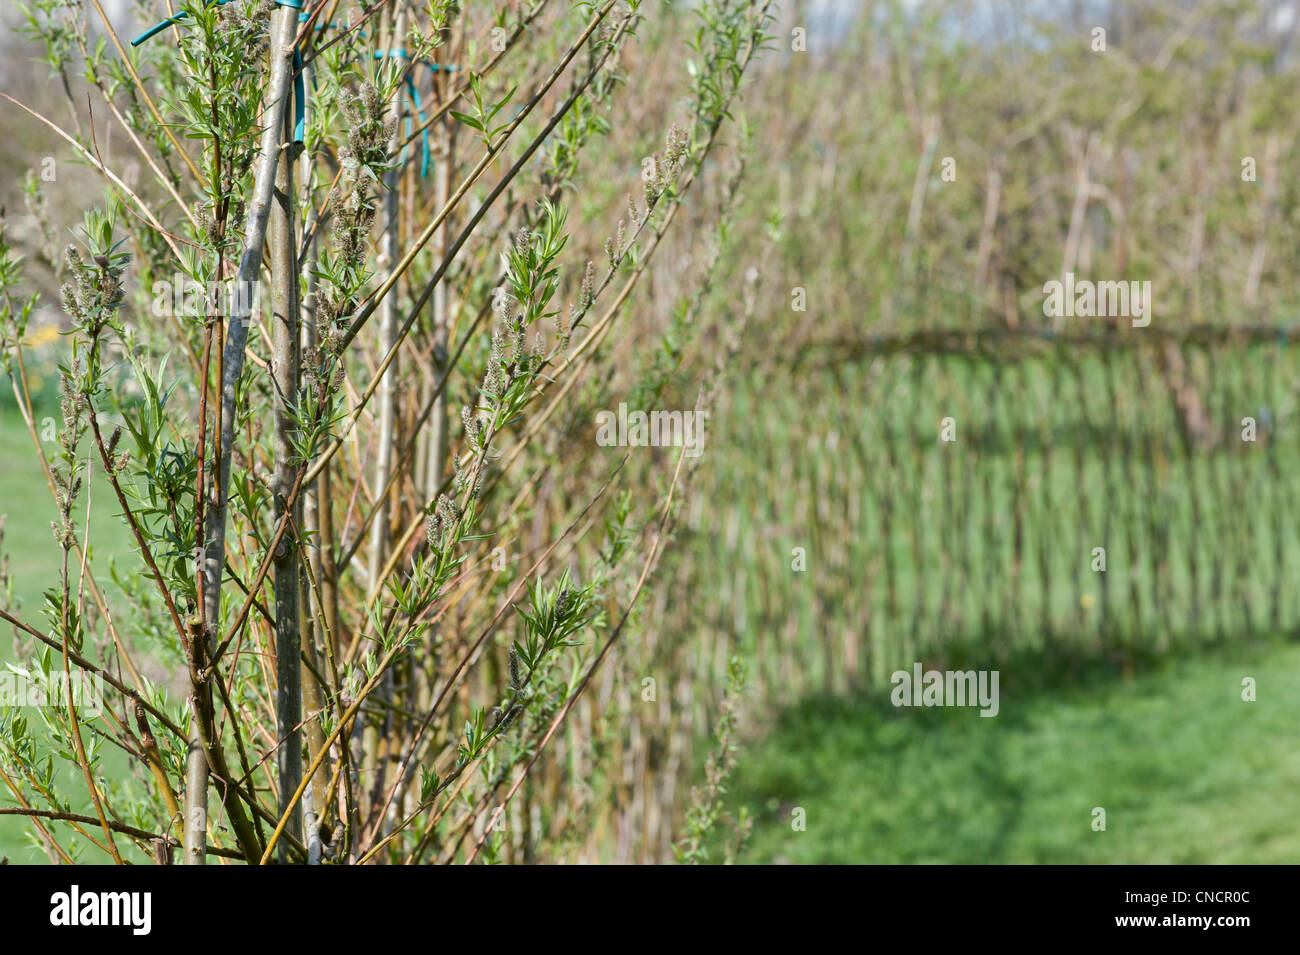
45	335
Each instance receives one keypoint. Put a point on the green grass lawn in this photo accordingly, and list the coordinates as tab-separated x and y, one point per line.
1186	771
25	501
35	559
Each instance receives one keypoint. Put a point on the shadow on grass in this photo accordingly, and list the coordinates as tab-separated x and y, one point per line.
1183	768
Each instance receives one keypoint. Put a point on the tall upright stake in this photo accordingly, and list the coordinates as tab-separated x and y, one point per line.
284	23
283	252
316	809
388	327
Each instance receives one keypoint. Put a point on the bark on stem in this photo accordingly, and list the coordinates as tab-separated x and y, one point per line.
379	530
287	584
284	23
315	813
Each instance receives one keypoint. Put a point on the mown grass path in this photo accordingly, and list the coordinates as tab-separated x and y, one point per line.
1186	771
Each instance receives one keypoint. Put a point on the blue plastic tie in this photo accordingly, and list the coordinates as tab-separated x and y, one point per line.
299	89
414	93
299	85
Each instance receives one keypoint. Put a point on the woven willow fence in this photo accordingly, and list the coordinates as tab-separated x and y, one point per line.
982	547
981	550
976	552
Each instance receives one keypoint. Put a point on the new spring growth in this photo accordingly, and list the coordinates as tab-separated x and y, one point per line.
364	158
118	462
506	715
72	404
586	296
65	494
475	432
95	289
248	26
516	672
510	715
441	522
664	171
